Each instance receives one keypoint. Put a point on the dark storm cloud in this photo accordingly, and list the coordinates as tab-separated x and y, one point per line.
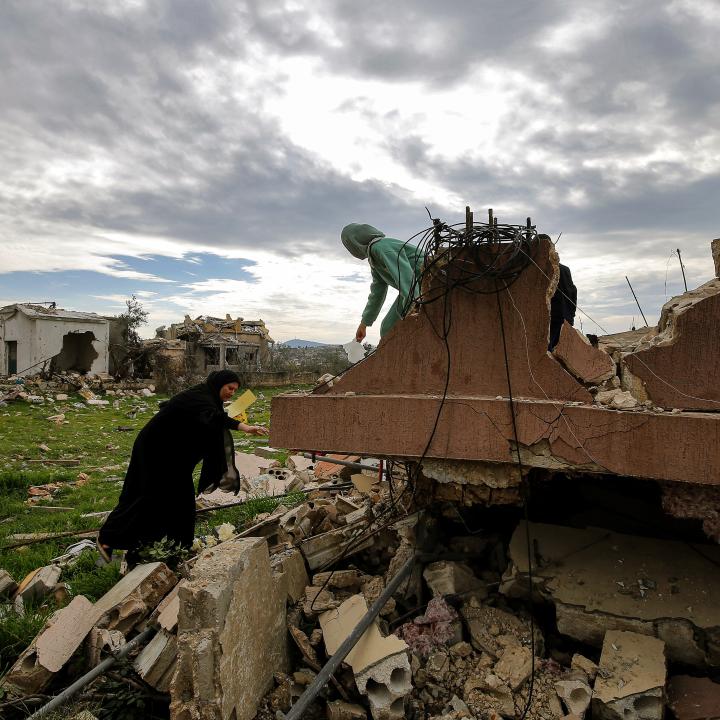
150	87
121	84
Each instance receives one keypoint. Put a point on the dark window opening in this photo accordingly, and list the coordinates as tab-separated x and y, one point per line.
77	354
231	356
212	356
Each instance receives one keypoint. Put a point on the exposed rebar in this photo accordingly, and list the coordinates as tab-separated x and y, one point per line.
96	672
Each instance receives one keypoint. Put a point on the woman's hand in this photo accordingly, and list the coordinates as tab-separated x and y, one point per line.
360	332
253	429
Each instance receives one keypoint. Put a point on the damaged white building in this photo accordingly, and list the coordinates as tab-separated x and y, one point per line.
34	338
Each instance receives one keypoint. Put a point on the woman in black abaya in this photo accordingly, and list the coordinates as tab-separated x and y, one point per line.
158	496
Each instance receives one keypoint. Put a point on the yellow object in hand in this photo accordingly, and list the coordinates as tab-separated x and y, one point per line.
238	408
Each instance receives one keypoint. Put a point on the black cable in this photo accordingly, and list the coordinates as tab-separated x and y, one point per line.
525	493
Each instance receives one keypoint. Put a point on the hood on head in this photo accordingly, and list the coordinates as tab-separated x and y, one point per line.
356	237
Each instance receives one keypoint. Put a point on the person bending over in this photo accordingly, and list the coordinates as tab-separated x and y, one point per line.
393	263
158	495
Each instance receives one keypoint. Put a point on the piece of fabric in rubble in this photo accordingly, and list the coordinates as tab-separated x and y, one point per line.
158	496
393	263
562	305
430	631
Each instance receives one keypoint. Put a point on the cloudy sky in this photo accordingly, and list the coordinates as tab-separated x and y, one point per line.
204	154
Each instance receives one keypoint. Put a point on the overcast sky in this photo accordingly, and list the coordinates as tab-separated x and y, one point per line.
205	154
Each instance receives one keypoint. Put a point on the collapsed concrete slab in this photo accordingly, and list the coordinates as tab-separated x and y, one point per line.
631	680
587	363
692	698
231	633
600	580
715	245
388	405
380	664
55	644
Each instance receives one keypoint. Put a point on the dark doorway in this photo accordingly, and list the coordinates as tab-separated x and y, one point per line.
11	355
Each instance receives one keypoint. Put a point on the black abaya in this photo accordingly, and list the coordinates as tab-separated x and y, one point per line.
158	496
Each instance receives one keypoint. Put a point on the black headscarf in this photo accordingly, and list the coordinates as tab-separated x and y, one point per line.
219	378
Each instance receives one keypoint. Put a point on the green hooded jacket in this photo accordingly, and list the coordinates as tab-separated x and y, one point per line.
393	263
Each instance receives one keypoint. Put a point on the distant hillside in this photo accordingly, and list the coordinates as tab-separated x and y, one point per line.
295	343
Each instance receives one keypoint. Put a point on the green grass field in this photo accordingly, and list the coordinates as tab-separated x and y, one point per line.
89	434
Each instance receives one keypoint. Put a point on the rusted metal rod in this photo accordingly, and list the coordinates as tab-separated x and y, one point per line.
637	302
323	677
96	672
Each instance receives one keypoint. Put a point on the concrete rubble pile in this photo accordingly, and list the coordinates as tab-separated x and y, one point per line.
569	502
99	389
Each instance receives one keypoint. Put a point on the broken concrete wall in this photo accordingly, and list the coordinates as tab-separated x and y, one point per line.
678	366
587	363
600	580
715	245
231	633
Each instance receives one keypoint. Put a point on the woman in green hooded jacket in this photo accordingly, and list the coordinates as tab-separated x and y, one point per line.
393	263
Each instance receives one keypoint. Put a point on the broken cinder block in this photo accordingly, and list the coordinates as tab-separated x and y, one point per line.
39	583
134	597
631	678
380	664
54	645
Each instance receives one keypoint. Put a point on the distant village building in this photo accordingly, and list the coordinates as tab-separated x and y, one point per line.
36	338
216	343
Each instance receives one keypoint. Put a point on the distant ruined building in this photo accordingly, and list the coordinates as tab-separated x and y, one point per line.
215	344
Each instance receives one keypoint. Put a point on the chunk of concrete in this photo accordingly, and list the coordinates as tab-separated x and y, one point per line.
715	246
299	463
600	580
386	683
325	470
8	586
587	363
380	664
55	644
575	695
514	666
453	578
134	597
155	663
693	698
288	569
489	625
631	678
322	549
339	579
39	583
231	633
